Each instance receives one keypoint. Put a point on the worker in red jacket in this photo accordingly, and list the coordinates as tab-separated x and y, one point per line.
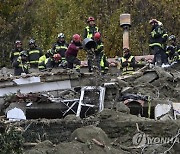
72	52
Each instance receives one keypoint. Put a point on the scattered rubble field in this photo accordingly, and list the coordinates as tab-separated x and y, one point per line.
131	114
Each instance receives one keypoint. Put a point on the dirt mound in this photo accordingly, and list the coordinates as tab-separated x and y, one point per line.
41	148
85	140
89	140
84	148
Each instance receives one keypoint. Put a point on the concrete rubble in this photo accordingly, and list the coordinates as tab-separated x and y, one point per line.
107	117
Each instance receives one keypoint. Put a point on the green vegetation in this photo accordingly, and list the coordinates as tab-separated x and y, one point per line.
44	19
11	141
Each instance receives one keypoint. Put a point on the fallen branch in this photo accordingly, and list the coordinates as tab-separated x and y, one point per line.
29	144
98	143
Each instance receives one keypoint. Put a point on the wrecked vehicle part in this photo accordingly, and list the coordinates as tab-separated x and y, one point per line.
91	97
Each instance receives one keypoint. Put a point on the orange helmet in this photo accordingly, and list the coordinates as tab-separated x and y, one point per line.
97	36
76	38
90	19
57	57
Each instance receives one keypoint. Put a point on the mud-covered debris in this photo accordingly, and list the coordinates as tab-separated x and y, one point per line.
121	107
84	148
122	83
71	117
41	148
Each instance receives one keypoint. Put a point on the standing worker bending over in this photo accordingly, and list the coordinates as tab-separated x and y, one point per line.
100	56
72	52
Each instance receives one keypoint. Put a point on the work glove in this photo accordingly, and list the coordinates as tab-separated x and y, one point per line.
19	59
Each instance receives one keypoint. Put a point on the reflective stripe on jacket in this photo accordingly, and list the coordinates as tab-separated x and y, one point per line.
61	49
34	56
128	69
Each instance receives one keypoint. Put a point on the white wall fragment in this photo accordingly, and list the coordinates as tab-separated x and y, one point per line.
16	114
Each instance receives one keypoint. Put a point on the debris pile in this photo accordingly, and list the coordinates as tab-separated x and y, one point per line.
145	103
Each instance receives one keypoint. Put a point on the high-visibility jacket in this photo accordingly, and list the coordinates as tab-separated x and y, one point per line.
89	31
41	63
34	55
128	65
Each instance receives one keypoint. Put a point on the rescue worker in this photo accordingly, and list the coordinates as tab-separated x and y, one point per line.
34	53
173	50
127	62
72	52
53	61
16	51
91	29
21	64
60	47
100	56
42	60
158	38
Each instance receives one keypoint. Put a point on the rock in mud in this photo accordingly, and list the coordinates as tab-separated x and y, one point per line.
87	133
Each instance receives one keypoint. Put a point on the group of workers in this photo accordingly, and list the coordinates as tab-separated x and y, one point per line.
165	49
64	55
61	54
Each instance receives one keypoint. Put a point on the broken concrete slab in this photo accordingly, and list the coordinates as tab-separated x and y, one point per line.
163	74
163	112
147	77
36	87
29	80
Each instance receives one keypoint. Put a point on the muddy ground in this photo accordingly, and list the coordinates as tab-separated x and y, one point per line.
119	128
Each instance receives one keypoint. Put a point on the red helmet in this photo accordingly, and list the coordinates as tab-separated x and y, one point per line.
76	38
57	57
90	19
97	36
